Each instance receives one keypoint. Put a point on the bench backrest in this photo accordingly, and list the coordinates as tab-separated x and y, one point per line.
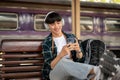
21	59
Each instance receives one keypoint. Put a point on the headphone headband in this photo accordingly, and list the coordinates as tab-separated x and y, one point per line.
48	14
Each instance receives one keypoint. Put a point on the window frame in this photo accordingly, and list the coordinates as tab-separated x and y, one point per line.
92	20
105	24
16	21
35	28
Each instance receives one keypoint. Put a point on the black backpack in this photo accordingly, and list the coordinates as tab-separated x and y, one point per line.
92	51
95	53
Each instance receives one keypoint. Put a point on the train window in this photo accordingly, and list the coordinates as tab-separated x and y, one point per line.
39	23
86	23
8	21
112	24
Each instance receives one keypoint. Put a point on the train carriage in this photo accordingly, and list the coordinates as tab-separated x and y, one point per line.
24	20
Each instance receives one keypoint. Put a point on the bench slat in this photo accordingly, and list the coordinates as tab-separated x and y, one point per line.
21	75
22	55
30	79
21	45
22	68
22	62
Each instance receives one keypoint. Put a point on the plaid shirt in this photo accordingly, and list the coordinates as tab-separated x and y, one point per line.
49	56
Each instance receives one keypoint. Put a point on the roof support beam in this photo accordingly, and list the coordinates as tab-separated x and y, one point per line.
76	18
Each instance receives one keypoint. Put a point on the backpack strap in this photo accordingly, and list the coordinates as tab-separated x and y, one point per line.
88	51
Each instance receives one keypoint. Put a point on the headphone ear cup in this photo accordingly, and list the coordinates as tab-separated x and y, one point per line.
63	22
46	26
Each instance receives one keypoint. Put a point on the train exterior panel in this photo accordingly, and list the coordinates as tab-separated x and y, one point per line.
27	22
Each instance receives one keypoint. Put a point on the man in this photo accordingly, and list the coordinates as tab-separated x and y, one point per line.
62	59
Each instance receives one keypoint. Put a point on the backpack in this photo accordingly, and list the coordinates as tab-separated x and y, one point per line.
92	51
95	53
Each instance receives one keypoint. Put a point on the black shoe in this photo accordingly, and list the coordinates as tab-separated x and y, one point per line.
109	59
116	77
109	64
111	54
108	68
107	72
118	62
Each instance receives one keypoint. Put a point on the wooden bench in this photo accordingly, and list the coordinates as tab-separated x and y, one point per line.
21	60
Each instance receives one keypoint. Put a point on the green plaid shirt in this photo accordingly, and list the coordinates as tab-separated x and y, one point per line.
49	56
